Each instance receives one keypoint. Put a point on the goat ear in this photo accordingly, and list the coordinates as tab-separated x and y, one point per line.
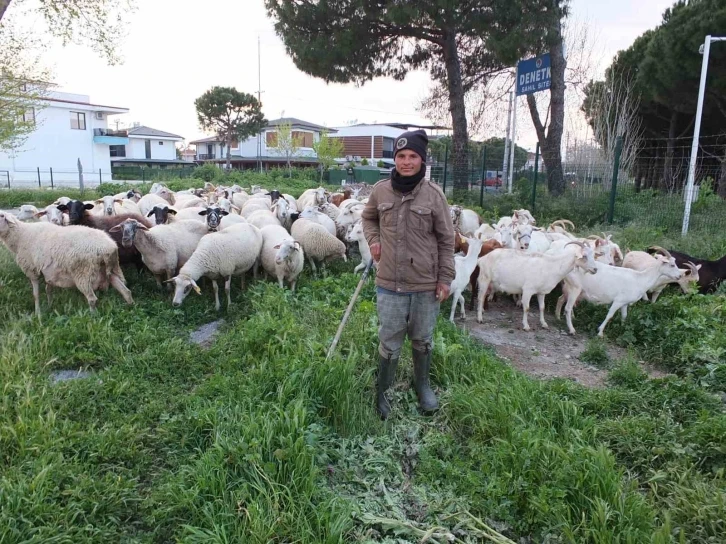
150	213
203	212
698	266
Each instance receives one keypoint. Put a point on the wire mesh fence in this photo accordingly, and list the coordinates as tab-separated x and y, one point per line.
652	197
41	178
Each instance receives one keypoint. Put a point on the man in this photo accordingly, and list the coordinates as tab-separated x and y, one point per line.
411	236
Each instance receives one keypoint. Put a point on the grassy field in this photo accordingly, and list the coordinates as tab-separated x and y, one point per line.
259	439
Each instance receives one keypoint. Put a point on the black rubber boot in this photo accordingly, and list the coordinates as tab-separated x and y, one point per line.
421	368
386	375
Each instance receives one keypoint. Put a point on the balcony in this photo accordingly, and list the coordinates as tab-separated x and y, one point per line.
110	137
205	156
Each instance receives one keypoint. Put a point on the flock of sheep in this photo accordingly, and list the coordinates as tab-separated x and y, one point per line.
180	237
222	232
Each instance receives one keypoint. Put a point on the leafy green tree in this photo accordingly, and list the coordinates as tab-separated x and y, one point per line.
358	40
286	144
230	114
327	150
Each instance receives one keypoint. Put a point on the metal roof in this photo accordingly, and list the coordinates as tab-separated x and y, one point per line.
148	131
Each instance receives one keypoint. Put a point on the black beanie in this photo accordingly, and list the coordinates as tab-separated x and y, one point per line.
416	141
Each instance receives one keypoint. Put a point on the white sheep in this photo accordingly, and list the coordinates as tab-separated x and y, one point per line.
73	256
263	218
282	210
164	248
464	266
330	209
253	205
52	214
239	199
188	201
316	216
162	198
28	212
109	205
317	242
227	205
230	220
312	197
355	234
219	255
282	257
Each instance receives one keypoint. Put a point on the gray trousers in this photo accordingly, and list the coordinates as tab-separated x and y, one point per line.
413	313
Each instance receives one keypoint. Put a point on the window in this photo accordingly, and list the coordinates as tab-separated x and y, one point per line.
161	143
304	139
28	116
147	148
78	120
271	138
117	150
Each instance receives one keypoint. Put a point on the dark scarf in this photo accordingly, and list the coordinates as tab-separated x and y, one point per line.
406	184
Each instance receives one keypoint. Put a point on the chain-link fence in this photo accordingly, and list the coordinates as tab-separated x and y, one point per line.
43	178
652	197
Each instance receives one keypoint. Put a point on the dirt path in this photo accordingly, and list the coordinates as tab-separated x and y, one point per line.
540	353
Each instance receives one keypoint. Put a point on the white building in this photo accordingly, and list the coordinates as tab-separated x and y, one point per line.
147	147
370	141
245	154
69	128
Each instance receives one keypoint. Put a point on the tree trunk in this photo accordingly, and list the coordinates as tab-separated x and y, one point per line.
551	143
459	151
670	149
3	7
229	153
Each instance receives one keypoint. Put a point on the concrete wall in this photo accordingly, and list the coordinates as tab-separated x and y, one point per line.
136	148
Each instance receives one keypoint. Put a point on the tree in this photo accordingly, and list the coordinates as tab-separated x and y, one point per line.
99	23
356	40
327	149
287	144
230	114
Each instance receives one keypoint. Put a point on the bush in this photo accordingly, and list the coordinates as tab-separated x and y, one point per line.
209	172
364	162
381	164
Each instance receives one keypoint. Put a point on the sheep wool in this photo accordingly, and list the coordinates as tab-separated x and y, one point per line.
284	263
317	242
73	256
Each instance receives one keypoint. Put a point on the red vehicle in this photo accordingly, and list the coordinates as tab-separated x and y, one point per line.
493	182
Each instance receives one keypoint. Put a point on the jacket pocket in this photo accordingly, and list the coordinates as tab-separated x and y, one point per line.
420	218
386	214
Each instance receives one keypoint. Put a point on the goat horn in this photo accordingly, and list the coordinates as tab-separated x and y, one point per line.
693	268
594	237
660	250
575	242
568	222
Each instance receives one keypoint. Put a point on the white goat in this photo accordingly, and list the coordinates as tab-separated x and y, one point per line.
464	268
613	285
355	234
641	260
518	273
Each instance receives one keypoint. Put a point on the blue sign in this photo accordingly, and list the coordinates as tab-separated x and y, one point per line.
534	75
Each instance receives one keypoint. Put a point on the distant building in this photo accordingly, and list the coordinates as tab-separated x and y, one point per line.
69	128
148	147
246	154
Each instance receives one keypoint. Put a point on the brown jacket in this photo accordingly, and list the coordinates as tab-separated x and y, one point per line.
416	236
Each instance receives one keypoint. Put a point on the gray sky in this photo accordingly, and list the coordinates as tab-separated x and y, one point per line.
177	49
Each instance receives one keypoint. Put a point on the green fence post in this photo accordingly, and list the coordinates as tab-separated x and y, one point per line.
100	178
483	176
143	174
614	187
536	171
446	165
51	178
39	177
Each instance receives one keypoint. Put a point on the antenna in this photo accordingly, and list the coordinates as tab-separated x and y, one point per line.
259	98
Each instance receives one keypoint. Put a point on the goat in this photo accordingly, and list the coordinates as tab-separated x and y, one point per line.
519	273
711	274
613	285
641	260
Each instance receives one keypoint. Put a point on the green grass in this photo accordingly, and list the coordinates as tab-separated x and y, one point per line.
259	439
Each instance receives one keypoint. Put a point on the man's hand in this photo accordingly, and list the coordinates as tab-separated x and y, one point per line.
442	291
376	252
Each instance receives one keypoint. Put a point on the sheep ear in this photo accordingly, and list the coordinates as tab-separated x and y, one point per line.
299	247
171	211
98	200
115	228
223	212
40	214
235	208
196	288
88	206
203	212
276	247
150	213
142	226
118	200
62	207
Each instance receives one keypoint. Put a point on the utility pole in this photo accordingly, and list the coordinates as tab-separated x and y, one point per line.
513	146
259	99
505	164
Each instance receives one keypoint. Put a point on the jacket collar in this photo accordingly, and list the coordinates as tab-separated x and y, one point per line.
412	194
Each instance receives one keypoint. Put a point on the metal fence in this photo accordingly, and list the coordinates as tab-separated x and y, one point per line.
595	193
42	178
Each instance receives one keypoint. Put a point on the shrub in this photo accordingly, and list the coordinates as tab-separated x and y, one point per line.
209	172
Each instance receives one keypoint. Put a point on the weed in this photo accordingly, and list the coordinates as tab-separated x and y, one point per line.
596	353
